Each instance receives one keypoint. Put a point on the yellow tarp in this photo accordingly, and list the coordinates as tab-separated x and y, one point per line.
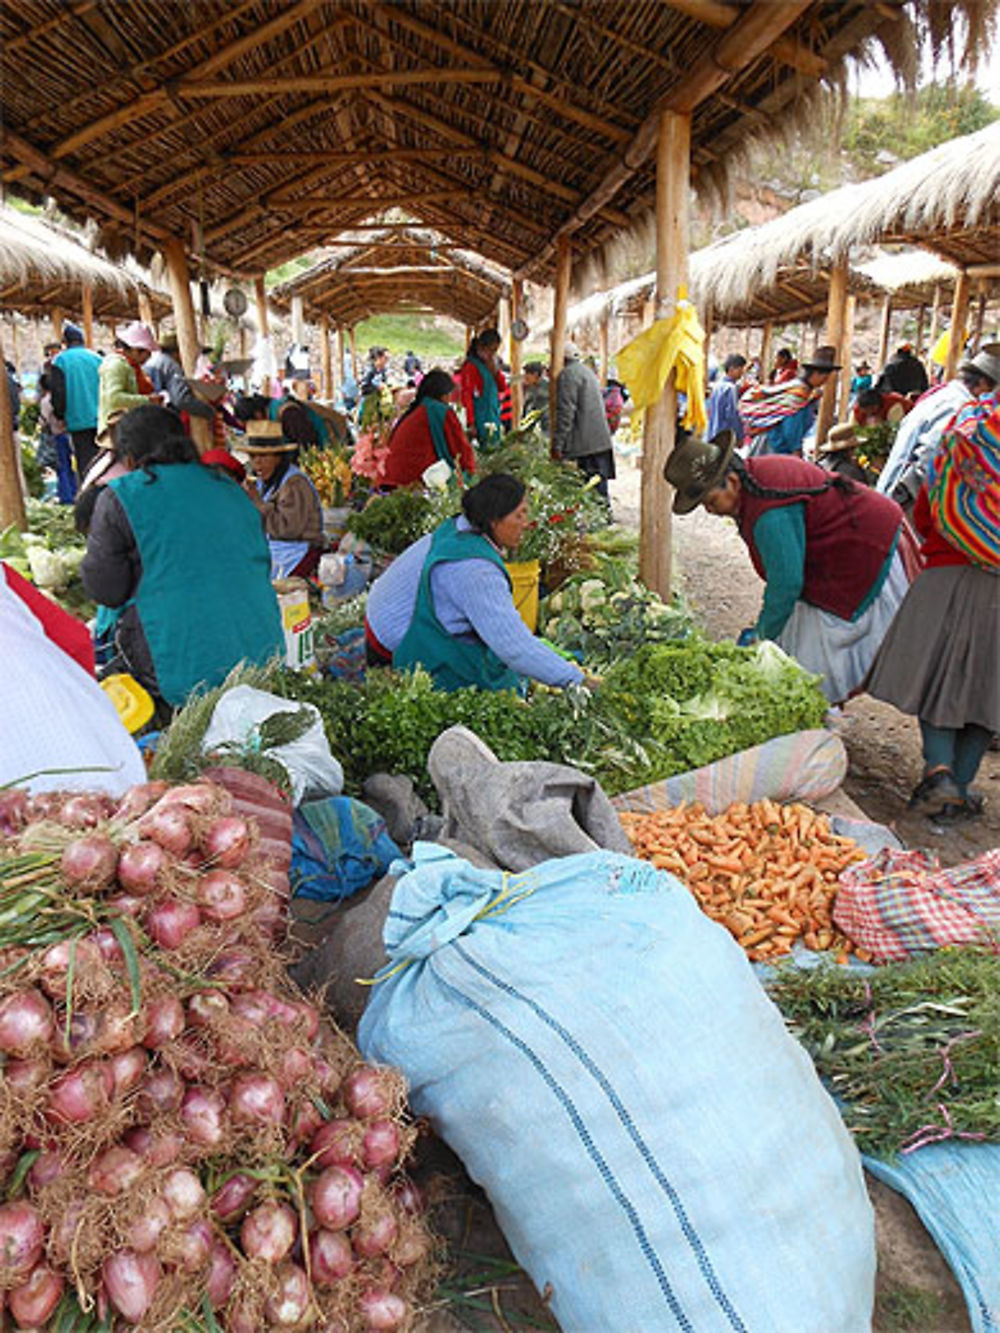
939	352
676	344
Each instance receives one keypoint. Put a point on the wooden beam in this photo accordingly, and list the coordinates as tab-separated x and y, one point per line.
38	30
604	336
766	339
557	342
340	355
354	353
836	321
338	157
884	331
921	320
977	323
959	319
87	301
373	203
188	342
673	177
983	270
330	83
799	57
847	359
11	490
516	361
325	358
932	336
56	316
712	13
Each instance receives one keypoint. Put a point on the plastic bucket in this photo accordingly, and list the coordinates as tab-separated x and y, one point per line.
524	576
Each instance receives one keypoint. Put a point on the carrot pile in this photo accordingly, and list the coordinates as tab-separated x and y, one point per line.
767	872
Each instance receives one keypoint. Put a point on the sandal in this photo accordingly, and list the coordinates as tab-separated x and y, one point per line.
960	812
935	790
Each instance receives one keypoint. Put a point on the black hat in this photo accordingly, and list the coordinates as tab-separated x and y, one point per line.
824	358
697	466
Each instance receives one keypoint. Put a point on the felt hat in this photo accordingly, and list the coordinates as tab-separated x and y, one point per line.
697	466
824	358
71	333
986	361
136	335
840	439
265	437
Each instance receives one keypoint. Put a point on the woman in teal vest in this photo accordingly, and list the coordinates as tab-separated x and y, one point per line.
445	604
181	549
483	385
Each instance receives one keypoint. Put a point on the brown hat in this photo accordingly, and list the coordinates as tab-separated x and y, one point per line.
824	358
840	439
265	437
697	466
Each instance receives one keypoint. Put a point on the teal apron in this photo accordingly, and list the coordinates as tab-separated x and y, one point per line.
486	406
453	663
204	600
436	413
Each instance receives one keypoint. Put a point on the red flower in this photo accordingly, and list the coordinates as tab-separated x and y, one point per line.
557	518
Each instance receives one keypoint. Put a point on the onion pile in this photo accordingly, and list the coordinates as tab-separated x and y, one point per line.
177	1124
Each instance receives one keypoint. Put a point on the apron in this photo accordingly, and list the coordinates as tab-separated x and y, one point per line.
285	554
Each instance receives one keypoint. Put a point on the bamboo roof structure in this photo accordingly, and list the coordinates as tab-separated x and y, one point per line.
391	270
265	128
43	268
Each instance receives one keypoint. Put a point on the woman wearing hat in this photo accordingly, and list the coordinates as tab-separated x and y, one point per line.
836	454
445	604
123	383
825	547
286	499
778	417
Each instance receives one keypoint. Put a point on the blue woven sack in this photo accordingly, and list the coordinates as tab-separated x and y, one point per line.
655	1145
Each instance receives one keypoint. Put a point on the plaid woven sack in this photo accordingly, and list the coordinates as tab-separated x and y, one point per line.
897	904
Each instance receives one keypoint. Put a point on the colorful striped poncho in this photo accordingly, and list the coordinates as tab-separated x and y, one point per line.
766	406
963	482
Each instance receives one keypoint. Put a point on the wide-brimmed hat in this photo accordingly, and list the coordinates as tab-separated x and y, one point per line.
840	439
986	361
824	358
697	466
265	437
136	335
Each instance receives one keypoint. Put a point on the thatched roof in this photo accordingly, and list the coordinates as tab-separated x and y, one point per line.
266	127
392	270
42	268
910	277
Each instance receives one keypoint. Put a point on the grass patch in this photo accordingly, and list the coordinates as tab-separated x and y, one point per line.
401	332
907	1310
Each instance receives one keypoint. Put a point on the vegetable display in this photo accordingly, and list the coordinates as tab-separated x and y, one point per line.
183	1143
911	1050
50	554
766	872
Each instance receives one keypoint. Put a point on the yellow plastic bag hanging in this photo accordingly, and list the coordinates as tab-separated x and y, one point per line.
676	344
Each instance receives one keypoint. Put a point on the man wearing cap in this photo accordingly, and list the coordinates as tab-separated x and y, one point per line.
75	393
286	499
920	433
167	377
825	547
123	382
778	417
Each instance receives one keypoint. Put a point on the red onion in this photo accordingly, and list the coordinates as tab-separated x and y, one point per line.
80	1040
383	1311
234	967
159	1149
170	922
207	1007
130	1281
138	799
233	1197
115	1171
269	1232
170	826
337	1143
256	1099
107	943
183	1193
145	1232
289	1299
25	1022
203	1113
142	866
296	1066
412	1243
33	1303
13	811
45	805
253	1006
269	919
26	1075
410	1197
336	1197
81	812
305	1122
55	961
192	1246
161	1090
81	1094
64	1229
126	904
227	841
205	798
127	1069
22	1235
326	1076
164	1021
380	1146
119	1028
368	1093
89	862
221	1275
330	1256
45	1169
309	1015
222	895
374	1235
192	1061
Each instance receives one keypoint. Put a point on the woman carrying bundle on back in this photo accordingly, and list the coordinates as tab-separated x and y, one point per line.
428	432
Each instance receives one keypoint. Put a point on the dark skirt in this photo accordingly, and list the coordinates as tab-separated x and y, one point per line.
940	660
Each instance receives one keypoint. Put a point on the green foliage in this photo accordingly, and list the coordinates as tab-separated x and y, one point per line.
391	522
288	270
401	332
179	755
31	468
28	419
907	1310
906	126
881	1039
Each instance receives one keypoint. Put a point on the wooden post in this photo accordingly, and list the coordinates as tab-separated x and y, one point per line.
340	354
921	321
516	359
354	353
557	345
977	324
932	337
298	321
15	345
836	311
847	359
469	332
88	314
766	339
959	317
260	296
605	339
325	359
57	323
243	341
673	184
11	492
175	258
145	307
884	332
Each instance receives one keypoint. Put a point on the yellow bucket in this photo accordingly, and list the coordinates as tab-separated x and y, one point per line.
524	576
133	704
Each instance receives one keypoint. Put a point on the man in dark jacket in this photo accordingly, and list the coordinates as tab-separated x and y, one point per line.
904	374
581	432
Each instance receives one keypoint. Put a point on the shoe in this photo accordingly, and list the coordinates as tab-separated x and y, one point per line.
960	812
934	791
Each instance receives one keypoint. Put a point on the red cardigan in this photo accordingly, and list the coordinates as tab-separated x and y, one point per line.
411	448
934	548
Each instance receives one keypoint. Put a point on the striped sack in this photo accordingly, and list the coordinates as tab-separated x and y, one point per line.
897	904
964	483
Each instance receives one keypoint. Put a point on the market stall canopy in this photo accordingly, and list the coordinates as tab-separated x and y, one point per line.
43	268
390	270
264	128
